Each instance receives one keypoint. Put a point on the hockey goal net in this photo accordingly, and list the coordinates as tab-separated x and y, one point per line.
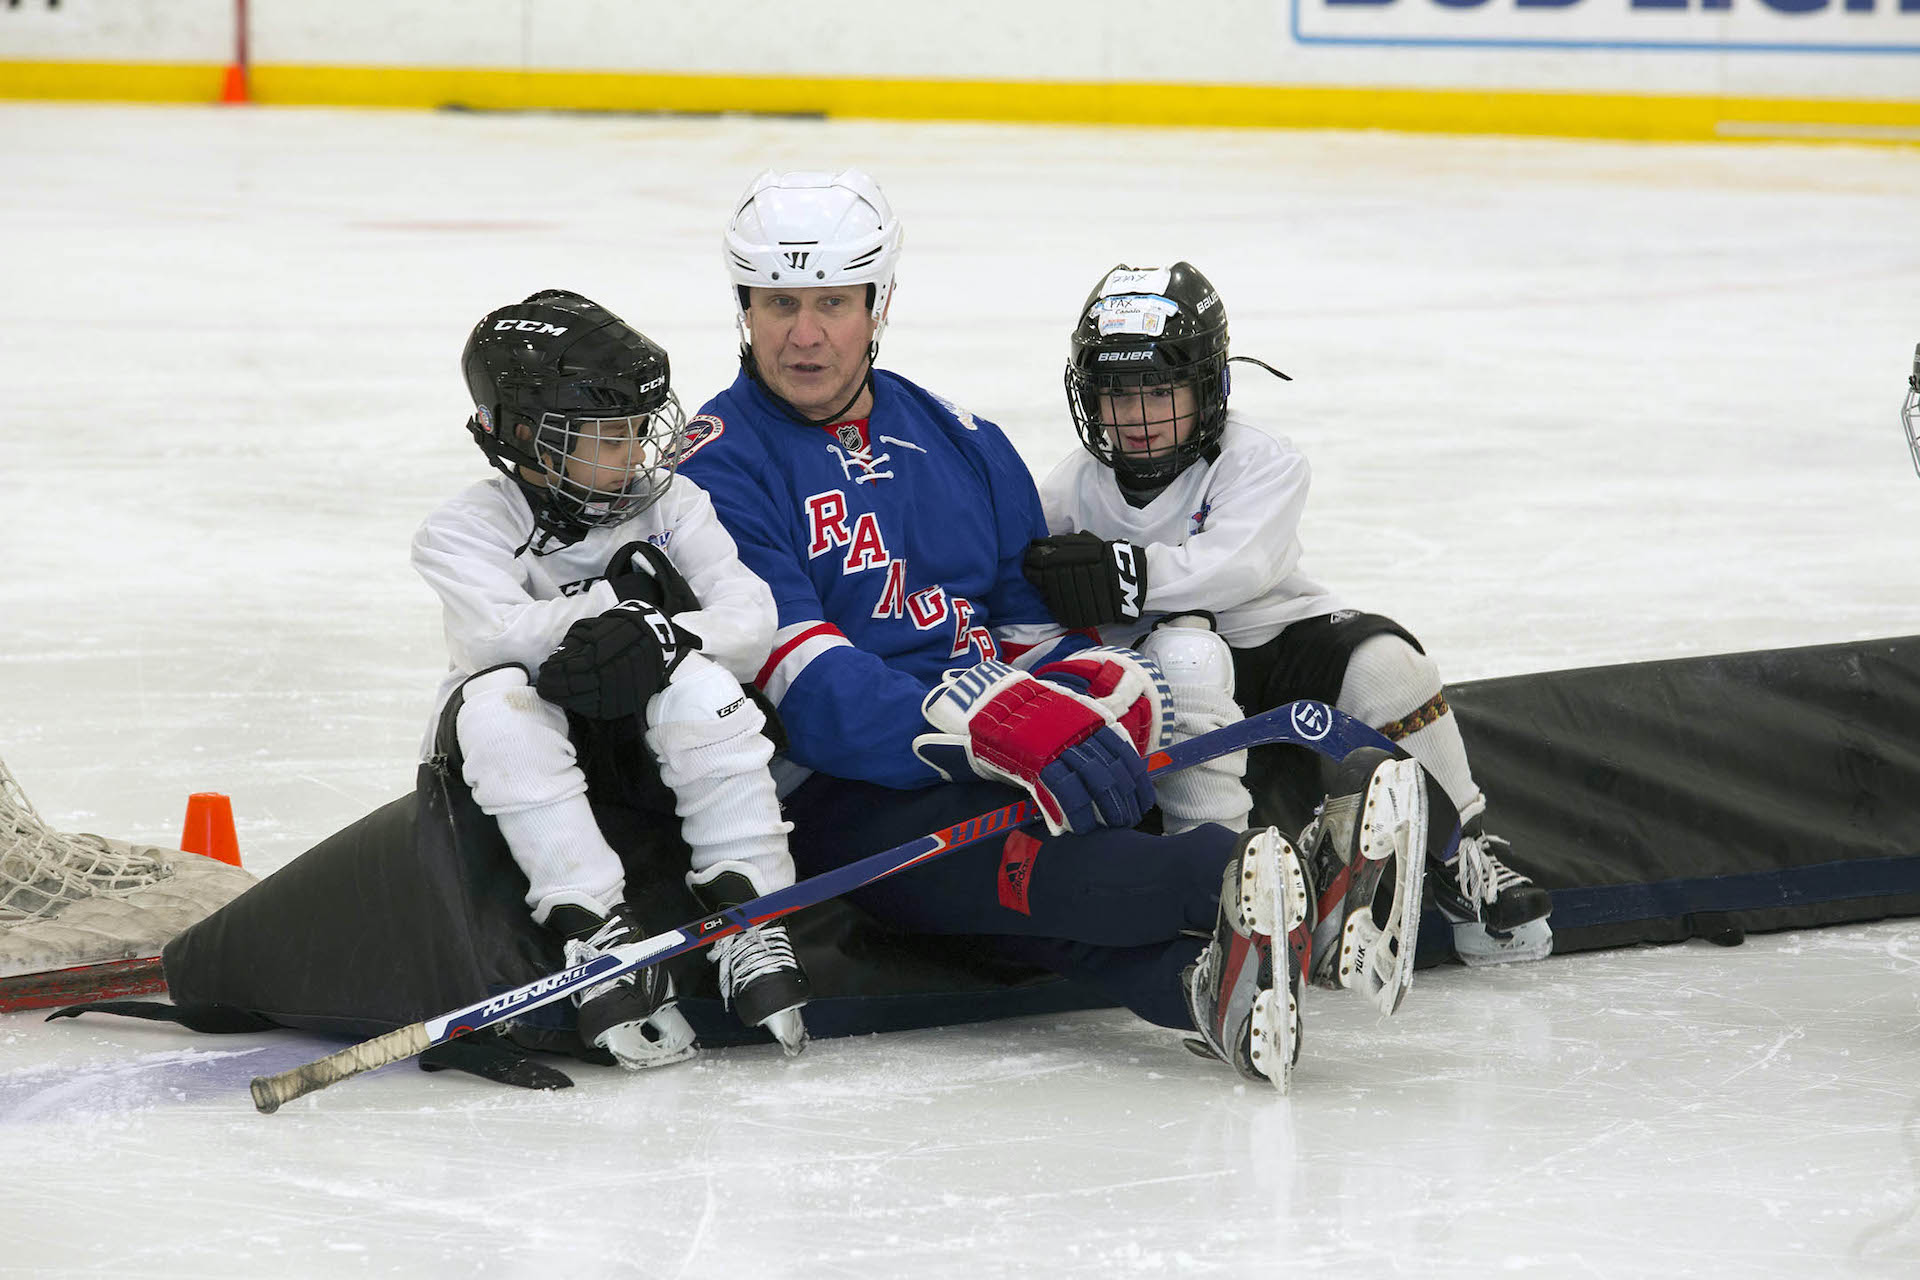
85	917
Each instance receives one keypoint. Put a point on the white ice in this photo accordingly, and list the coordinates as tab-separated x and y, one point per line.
1568	403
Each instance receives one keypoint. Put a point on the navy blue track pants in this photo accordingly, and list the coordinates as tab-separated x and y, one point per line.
1119	910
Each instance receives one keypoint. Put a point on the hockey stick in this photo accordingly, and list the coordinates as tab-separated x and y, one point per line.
1308	724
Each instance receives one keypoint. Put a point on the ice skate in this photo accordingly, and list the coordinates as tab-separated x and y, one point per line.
632	1016
1498	915
1244	991
1365	855
761	979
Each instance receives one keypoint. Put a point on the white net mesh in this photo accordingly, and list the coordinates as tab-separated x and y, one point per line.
43	870
73	900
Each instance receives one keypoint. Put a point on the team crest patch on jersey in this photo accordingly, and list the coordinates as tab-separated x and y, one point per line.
701	430
1197	521
960	415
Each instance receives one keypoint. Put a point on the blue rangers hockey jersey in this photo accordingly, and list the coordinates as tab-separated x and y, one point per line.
893	547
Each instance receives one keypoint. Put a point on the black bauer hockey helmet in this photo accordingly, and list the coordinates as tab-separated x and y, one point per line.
1147	370
576	407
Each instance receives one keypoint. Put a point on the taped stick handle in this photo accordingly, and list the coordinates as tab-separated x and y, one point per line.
270	1093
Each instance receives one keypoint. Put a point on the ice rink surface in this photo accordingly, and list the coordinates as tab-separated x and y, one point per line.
1568	404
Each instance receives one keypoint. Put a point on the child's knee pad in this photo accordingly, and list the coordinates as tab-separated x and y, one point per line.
514	749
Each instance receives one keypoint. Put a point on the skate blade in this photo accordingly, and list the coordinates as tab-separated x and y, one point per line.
1274	902
1277	1019
1273	888
1378	959
1272	1046
1480	949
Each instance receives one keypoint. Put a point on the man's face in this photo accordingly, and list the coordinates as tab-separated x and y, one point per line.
810	345
1147	422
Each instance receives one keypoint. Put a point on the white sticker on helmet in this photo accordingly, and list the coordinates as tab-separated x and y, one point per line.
1136	313
1136	280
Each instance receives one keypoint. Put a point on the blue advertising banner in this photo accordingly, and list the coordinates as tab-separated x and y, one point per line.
1868	27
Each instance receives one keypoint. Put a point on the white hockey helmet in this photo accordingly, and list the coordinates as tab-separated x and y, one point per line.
813	231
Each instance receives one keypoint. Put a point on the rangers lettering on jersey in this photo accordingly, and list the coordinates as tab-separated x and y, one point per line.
827	528
826	522
881	587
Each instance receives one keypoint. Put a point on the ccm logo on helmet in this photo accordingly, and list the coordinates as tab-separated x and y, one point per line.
646	387
1144	353
529	326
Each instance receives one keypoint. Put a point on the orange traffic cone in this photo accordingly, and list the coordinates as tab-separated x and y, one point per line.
233	88
209	829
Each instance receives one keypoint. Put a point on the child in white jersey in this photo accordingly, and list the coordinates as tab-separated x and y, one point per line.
1179	512
599	627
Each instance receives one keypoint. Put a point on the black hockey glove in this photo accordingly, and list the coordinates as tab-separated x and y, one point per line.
641	571
608	666
1088	581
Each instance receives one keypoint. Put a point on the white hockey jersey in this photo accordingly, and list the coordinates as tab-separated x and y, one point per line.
503	603
1224	536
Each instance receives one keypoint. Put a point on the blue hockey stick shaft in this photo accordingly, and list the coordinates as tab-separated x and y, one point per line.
1306	723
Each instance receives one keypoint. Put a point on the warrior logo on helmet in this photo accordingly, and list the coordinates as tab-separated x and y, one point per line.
800	231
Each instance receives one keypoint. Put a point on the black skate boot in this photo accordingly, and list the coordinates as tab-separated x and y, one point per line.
1244	991
1498	915
1365	853
761	979
632	1016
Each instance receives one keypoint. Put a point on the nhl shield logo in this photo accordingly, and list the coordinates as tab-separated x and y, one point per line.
849	433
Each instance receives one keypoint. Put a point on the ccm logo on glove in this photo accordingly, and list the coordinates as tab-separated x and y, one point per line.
1088	581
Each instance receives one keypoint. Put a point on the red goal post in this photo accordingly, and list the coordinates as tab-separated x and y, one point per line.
83	916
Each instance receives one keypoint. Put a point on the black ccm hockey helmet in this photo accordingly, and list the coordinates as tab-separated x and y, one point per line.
1144	332
558	375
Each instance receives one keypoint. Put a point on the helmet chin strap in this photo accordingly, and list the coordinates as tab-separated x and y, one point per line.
552	530
792	411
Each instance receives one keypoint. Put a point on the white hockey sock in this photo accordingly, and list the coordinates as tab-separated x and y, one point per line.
1199	668
705	733
1395	688
519	764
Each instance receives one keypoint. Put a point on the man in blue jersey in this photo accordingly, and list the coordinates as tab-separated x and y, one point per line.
919	674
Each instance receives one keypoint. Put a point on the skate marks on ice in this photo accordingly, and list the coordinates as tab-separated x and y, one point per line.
1691	1110
116	1076
1684	1110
